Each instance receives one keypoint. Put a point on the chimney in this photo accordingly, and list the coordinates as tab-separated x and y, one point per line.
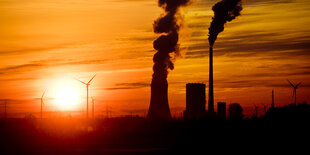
211	97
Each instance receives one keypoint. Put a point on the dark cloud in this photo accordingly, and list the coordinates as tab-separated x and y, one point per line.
259	82
207	3
247	45
140	38
197	26
134	85
33	49
235	84
284	74
16	101
257	2
35	65
24	67
19	79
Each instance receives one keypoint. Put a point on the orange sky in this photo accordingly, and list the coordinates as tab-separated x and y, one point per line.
45	44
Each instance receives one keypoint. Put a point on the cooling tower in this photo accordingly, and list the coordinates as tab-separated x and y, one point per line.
159	107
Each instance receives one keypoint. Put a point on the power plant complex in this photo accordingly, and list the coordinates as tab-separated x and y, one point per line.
167	44
195	99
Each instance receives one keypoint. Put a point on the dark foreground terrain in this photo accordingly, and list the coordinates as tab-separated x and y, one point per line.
135	135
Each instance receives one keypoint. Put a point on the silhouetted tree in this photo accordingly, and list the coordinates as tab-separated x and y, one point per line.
235	112
289	112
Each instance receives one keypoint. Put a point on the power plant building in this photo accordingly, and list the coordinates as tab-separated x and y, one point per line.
221	110
195	100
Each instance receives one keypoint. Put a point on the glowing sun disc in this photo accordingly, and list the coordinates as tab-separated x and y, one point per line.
66	98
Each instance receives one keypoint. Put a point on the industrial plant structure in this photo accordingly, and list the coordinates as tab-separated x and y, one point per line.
196	104
221	110
159	107
195	100
211	94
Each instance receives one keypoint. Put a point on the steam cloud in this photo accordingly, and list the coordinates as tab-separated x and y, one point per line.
224	11
167	43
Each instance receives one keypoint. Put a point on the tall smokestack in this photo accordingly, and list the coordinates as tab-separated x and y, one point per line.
211	95
224	11
166	46
272	99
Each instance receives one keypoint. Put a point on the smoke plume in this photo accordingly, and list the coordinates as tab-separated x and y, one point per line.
224	11
167	43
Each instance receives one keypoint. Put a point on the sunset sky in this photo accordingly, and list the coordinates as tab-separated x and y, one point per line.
47	44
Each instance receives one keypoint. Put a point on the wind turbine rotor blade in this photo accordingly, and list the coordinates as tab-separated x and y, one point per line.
80	81
91	79
298	85
290	83
43	93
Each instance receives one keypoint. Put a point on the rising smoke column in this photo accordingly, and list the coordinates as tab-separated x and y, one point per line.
224	11
166	44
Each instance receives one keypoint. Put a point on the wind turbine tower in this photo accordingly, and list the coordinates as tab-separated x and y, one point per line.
5	106
294	91
87	84
42	102
211	93
272	99
93	107
107	111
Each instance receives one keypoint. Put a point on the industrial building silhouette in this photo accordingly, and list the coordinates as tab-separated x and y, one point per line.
221	110
195	100
196	103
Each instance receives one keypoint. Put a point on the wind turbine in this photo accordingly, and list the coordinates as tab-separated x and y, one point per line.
93	107
272	99
294	91
87	84
42	102
5	107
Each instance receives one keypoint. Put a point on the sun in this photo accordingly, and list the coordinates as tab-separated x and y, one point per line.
66	98
66	93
